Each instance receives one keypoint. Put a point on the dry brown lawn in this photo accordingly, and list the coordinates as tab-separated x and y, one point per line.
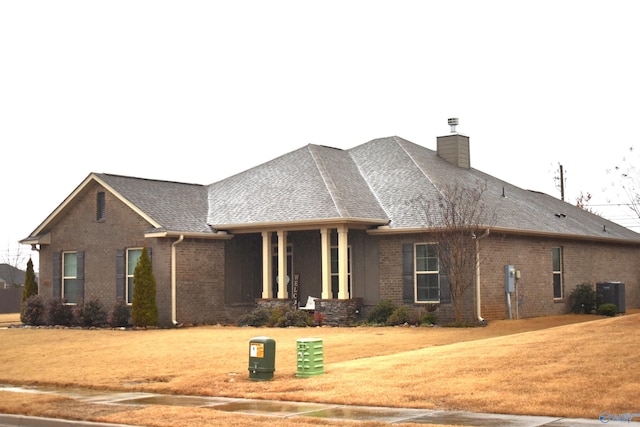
571	366
8	319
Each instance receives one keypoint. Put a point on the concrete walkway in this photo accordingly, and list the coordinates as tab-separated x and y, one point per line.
279	409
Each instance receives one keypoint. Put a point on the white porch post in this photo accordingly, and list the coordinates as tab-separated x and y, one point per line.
267	266
282	265
343	262
326	263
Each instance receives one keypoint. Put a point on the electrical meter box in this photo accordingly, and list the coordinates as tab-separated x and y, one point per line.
262	358
310	357
509	278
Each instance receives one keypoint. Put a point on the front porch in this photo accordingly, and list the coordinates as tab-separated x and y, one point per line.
335	264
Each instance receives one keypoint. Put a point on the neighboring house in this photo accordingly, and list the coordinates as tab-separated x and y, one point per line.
10	276
338	223
11	287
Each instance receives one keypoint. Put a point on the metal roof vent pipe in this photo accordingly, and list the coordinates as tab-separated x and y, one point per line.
454	148
453	122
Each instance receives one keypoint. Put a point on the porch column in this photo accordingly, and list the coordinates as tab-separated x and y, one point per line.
343	260
267	266
325	235
282	265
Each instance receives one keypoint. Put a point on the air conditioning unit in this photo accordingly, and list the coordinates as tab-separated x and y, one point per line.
611	293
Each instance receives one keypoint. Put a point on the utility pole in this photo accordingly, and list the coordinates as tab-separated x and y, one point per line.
561	183
561	179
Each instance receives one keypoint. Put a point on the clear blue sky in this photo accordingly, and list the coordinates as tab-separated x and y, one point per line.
196	91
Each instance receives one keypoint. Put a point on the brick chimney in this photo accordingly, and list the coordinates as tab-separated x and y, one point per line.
454	148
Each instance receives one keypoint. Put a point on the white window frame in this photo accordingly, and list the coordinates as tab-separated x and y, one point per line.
418	273
558	273
68	278
128	275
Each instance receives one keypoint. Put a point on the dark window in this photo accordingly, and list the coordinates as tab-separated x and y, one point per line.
335	285
100	203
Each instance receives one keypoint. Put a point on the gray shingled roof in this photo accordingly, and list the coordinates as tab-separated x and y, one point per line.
371	183
375	180
175	206
399	170
311	183
11	275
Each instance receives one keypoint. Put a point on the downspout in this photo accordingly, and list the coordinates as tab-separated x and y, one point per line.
174	280
478	305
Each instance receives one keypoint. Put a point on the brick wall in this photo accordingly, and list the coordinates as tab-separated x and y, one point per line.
200	282
78	230
584	262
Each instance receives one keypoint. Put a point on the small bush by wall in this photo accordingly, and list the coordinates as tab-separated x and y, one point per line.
429	318
33	313
381	312
90	314
278	317
608	309
257	317
119	315
59	313
582	299
400	316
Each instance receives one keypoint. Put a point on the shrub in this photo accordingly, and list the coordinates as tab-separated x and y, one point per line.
319	318
582	299
144	310
381	312
608	309
400	316
30	287
59	313
258	317
33	311
429	319
280	317
283	317
119	316
91	313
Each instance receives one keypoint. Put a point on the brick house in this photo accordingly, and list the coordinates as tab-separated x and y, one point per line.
338	222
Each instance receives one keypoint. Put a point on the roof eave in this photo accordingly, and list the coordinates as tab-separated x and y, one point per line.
511	231
219	235
361	223
43	239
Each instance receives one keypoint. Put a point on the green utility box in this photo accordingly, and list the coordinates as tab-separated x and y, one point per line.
262	358
310	357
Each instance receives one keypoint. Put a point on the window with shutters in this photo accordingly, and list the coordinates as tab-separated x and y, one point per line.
427	273
71	285
133	255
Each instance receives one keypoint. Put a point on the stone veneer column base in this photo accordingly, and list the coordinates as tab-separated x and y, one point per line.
272	303
338	312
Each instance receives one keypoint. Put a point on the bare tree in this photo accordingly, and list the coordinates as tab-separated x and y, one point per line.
582	201
457	217
626	182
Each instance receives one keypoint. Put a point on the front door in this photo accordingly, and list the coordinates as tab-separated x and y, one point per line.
289	279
